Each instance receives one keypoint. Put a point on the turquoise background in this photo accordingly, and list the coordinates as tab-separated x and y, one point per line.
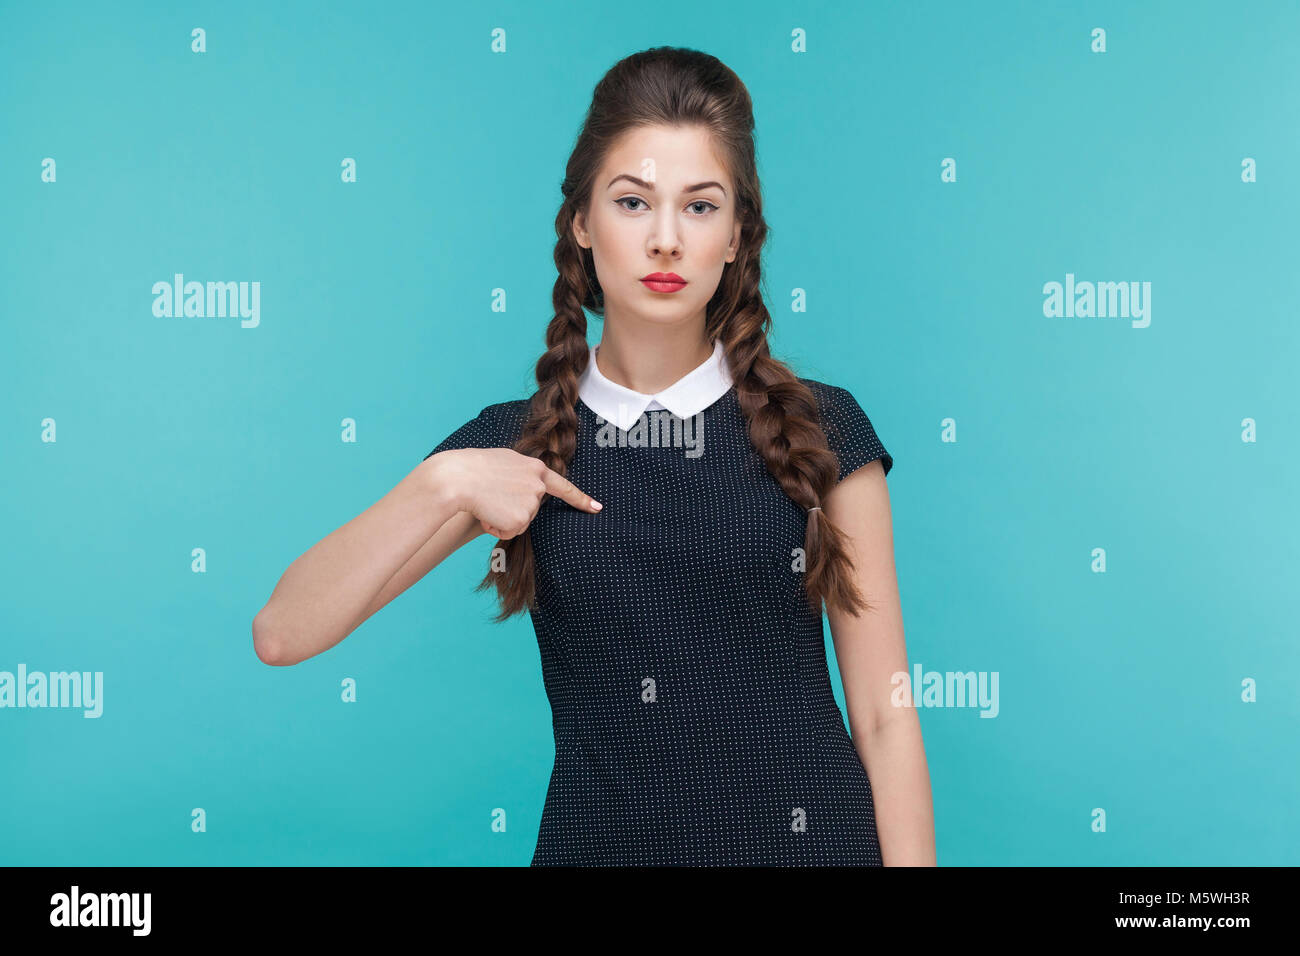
1118	690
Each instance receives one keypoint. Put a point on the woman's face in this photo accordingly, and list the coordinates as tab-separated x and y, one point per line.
662	203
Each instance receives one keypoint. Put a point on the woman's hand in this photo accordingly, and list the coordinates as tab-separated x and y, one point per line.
503	488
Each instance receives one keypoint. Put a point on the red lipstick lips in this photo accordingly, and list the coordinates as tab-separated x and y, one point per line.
664	282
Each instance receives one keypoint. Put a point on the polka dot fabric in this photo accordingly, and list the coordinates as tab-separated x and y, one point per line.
691	702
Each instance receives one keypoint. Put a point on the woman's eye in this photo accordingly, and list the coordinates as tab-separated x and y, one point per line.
708	206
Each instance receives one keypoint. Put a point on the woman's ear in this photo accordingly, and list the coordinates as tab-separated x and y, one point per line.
734	246
580	230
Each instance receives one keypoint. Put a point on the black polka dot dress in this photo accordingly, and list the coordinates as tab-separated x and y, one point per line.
691	701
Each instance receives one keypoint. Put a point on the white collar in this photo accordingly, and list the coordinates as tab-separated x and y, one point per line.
689	395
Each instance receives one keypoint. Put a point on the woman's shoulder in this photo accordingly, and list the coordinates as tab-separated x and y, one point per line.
828	395
508	412
816	386
848	428
497	425
512	415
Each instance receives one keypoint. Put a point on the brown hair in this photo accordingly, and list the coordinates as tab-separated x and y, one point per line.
675	86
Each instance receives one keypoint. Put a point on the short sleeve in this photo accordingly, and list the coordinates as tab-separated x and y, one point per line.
849	431
496	426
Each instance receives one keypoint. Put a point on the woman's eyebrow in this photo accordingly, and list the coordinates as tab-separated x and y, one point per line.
650	188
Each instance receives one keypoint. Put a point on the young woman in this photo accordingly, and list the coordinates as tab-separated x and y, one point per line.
673	507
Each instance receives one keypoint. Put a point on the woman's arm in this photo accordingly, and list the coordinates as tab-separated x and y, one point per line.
870	650
331	589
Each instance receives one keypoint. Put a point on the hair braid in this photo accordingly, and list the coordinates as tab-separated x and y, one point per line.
551	431
784	428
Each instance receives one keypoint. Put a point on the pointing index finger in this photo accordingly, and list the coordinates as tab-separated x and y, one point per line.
561	487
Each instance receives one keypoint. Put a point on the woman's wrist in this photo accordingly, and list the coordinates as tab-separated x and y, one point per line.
443	480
